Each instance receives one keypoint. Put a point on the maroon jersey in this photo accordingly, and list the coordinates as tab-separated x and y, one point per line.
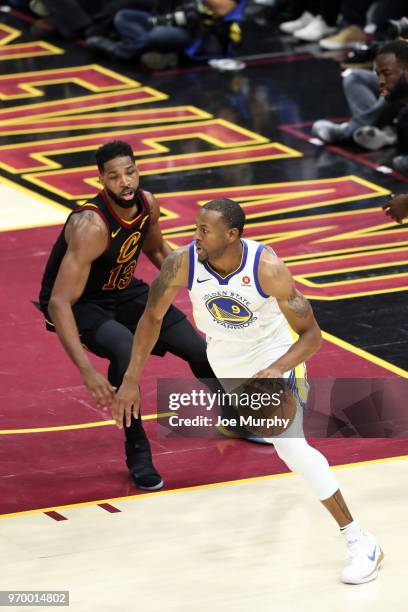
112	272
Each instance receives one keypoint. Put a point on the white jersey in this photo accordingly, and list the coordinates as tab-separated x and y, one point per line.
245	328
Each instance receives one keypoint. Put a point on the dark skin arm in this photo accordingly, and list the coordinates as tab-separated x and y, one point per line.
277	281
163	290
154	246
397	208
86	236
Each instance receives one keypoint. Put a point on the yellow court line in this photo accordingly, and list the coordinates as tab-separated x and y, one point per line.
146	417
59	110
376	188
13	33
133	116
365	355
372	266
346	296
329	337
292	224
192	488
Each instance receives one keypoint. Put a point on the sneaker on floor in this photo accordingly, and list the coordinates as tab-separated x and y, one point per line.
330	132
314	31
352	36
154	60
102	45
373	138
39	8
291	26
141	468
365	557
400	164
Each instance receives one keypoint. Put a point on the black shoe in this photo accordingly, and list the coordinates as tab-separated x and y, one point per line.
363	57
141	468
154	60
400	164
103	46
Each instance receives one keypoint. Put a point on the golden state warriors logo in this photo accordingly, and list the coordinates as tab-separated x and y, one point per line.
229	312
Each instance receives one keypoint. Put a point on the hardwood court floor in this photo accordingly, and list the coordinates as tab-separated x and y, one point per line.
261	544
71	519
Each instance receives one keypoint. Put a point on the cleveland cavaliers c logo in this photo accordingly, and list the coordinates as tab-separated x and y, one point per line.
228	310
129	248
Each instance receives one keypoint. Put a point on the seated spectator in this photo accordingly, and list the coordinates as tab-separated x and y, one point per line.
362	93
378	101
140	33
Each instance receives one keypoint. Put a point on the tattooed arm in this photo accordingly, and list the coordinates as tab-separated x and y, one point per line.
277	281
173	275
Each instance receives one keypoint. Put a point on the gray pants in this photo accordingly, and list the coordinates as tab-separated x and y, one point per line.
362	94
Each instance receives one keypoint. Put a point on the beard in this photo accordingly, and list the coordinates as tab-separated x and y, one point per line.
399	93
120	201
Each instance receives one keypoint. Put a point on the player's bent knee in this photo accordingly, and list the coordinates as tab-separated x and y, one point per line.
300	457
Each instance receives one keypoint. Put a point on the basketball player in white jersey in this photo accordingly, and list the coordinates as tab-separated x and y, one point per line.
245	301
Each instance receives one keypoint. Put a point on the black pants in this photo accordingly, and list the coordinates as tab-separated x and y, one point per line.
68	16
107	324
328	9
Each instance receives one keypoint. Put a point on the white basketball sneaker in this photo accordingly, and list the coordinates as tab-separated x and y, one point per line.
365	557
291	26
315	30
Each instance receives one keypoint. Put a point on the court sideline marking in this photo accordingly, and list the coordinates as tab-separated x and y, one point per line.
192	488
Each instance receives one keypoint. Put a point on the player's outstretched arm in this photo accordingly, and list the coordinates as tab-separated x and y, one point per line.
86	236
397	207
173	275
154	246
277	281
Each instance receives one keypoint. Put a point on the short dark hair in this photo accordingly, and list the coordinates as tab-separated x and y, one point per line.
110	150
231	212
397	47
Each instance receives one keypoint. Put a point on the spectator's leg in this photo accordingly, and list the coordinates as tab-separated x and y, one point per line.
385	10
302	13
329	10
103	18
354	12
133	27
68	17
362	94
167	38
351	33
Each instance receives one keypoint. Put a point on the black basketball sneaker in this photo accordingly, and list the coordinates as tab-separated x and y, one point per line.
140	464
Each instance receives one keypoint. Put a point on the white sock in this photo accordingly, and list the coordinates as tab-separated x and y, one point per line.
352	531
